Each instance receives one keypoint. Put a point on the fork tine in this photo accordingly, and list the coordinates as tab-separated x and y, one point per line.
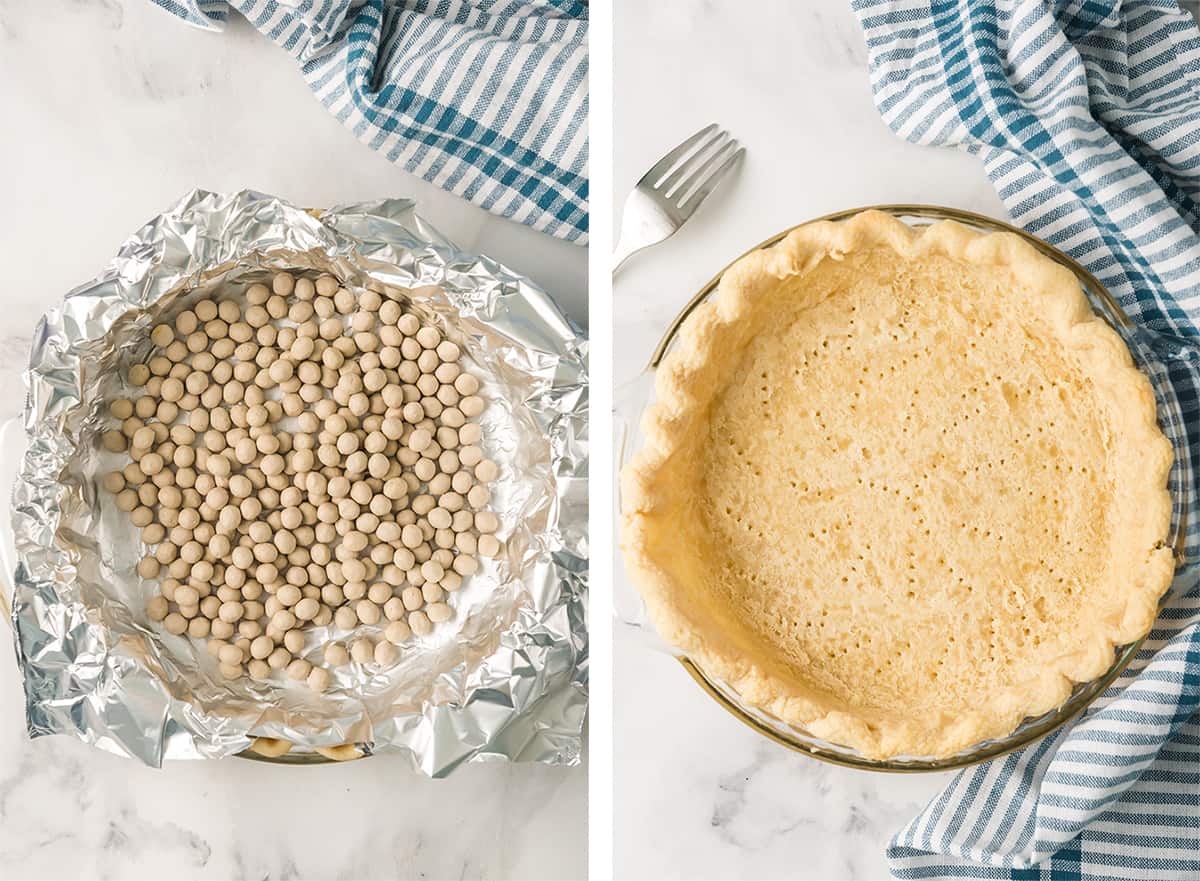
692	202
699	171
696	160
665	164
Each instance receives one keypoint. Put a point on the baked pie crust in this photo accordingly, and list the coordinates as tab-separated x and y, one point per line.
901	488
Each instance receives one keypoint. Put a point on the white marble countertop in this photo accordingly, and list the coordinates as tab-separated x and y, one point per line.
697	794
113	110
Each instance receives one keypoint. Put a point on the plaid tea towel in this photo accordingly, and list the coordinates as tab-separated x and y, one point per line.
1086	114
487	99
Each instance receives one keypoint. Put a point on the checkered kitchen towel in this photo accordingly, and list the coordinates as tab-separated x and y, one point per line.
1086	114
487	99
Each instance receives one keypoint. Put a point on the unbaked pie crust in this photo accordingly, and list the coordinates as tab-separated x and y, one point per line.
901	488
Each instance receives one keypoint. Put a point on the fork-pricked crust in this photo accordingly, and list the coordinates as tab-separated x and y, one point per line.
725	563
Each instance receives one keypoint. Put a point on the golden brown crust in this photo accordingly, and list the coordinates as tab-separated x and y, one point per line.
690	379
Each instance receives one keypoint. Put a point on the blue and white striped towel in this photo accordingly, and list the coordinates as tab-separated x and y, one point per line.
1086	114
487	99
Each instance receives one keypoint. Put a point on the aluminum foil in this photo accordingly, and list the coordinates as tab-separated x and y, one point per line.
505	679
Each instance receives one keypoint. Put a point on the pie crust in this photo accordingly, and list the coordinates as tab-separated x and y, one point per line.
900	487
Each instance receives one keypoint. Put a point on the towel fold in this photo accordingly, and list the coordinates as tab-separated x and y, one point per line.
487	99
1086	115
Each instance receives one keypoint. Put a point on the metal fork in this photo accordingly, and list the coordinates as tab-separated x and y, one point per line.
670	192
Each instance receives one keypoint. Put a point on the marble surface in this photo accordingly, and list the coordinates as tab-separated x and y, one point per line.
697	794
113	110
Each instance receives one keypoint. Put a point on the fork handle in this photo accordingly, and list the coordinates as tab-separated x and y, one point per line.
624	250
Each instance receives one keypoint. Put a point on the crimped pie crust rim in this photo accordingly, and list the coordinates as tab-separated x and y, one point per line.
798	250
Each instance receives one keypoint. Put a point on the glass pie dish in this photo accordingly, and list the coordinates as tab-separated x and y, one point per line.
469	691
1150	354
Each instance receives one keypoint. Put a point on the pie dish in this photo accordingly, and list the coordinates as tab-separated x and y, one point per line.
149	693
1022	532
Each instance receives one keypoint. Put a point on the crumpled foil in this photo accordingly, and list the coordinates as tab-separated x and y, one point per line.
506	678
